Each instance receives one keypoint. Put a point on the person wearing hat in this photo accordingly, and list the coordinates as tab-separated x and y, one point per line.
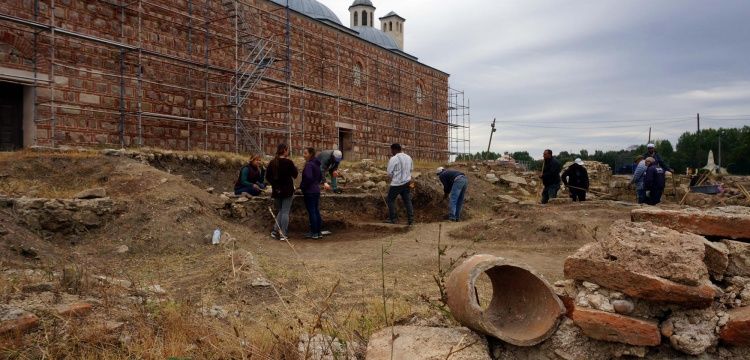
654	181
651	152
454	184
576	179
329	163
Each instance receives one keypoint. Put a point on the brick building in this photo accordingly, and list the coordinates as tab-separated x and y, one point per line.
223	75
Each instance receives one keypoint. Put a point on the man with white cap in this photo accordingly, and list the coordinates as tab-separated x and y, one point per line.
576	179
454	184
329	163
651	152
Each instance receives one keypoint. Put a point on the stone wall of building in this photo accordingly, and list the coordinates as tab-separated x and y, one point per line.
187	64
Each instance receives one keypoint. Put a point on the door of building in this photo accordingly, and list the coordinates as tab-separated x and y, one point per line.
346	143
11	117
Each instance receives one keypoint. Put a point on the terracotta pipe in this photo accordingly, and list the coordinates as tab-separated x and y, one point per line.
524	310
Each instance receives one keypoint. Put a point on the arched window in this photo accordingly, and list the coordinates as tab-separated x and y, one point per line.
418	94
390	26
357	74
364	18
356	20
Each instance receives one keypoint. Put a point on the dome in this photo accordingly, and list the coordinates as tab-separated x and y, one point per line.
312	9
376	37
362	2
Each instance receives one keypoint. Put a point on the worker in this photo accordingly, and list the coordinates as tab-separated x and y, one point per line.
252	178
310	187
639	174
576	179
281	175
654	181
550	176
454	184
651	152
399	170
329	164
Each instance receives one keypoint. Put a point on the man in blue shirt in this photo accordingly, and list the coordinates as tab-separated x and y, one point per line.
454	184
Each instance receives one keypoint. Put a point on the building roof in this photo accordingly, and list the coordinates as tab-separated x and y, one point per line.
392	14
312	9
362	2
376	37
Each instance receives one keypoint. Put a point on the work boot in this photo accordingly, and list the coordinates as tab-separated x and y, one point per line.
389	221
337	191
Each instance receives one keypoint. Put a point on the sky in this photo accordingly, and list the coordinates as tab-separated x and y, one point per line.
584	74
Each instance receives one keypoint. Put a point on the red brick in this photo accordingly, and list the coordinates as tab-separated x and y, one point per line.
606	326
730	222
16	321
737	330
74	309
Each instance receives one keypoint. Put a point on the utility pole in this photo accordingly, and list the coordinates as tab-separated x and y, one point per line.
698	117
491	132
649	135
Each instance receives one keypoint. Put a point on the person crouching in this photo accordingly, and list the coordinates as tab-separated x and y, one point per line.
252	178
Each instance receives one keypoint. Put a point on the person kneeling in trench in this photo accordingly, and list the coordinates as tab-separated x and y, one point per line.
454	185
252	178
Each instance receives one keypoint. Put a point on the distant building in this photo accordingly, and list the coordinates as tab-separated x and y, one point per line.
216	75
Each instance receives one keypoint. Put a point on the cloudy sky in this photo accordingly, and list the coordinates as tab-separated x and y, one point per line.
585	74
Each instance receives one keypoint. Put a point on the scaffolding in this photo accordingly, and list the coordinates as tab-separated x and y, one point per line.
459	124
251	96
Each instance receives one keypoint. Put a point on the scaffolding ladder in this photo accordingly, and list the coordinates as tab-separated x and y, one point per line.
254	57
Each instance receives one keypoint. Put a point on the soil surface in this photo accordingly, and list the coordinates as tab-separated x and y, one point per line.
167	218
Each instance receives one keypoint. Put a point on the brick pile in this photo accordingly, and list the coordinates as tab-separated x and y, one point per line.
652	287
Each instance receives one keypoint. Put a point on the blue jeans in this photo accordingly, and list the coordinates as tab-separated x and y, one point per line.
283	206
641	194
550	192
395	191
457	197
312	204
250	190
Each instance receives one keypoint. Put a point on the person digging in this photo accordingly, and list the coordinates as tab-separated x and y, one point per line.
454	186
329	164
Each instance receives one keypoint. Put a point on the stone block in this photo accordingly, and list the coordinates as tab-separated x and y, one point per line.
647	262
716	259
729	222
601	325
586	266
739	258
737	330
422	343
15	320
89	98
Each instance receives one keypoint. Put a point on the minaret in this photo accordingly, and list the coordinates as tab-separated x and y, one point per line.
361	13
393	25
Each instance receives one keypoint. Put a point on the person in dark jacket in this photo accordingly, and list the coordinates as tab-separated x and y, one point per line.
550	176
651	152
454	184
310	186
654	181
252	178
281	174
576	179
329	164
